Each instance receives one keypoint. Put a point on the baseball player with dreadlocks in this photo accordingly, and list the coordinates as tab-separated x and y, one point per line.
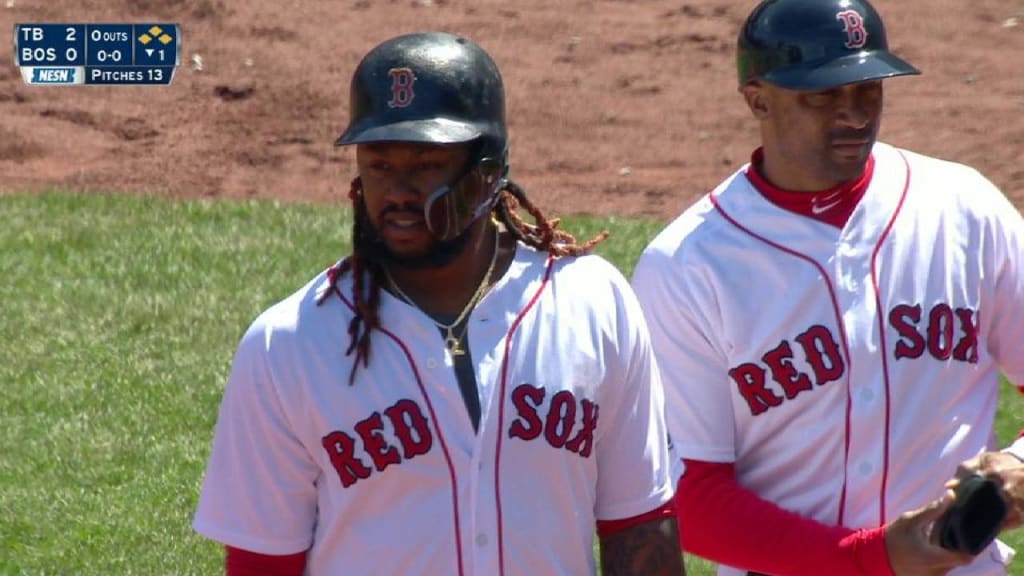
465	393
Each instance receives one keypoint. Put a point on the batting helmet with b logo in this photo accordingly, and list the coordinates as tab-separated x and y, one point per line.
815	45
428	87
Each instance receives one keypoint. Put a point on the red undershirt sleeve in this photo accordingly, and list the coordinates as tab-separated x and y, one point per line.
724	522
240	562
608	527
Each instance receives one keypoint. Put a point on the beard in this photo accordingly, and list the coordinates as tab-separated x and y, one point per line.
439	254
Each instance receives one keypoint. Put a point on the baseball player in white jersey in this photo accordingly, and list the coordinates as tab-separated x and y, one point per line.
831	320
466	393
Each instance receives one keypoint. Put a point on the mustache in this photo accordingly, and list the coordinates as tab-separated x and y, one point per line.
402	209
863	134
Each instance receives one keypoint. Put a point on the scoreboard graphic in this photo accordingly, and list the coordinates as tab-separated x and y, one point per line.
97	54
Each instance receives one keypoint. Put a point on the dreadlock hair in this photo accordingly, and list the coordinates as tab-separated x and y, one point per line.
369	275
544	235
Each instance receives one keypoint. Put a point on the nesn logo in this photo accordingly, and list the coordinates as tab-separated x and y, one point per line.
53	75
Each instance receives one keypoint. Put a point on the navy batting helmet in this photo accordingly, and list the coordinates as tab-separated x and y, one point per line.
429	87
815	45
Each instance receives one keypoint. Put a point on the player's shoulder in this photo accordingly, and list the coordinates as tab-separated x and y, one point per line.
684	238
932	169
585	279
964	186
291	317
536	263
586	268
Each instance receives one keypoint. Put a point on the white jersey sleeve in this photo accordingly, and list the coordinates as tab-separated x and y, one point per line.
682	318
1006	314
1006	335
255	454
634	468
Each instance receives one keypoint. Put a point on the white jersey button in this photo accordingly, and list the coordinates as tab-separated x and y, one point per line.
866	468
431	363
481	539
868	395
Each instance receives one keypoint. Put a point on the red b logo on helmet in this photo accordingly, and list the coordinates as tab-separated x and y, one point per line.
853	25
402	94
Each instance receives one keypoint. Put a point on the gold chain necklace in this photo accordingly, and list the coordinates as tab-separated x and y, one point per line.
452	341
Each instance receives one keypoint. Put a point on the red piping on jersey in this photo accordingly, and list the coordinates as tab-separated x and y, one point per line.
501	409
842	332
437	426
881	341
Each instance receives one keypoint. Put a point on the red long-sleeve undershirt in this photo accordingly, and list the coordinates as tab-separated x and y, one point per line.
239	562
721	520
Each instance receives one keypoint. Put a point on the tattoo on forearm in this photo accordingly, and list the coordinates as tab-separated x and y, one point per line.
649	549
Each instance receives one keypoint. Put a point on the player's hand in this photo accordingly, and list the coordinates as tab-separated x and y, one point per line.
1008	471
912	551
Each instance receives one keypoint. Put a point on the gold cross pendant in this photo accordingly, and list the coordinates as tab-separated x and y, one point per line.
454	345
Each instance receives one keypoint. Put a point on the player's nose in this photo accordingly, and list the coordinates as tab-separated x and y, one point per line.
402	190
853	112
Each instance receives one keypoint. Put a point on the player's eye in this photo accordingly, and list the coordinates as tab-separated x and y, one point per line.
820	99
379	166
870	89
430	166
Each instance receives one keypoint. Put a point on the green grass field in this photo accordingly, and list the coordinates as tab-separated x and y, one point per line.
120	316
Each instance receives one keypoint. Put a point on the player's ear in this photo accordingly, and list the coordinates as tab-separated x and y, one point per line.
756	97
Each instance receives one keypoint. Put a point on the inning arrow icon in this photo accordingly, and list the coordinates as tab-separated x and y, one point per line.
149	52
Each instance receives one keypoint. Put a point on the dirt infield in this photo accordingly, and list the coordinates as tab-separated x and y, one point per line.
615	106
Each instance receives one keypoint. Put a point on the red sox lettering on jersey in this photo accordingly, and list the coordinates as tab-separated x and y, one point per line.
411	436
559	425
821	352
945	333
409	426
936	332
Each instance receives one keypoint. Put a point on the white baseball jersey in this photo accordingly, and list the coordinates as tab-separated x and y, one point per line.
387	476
845	372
